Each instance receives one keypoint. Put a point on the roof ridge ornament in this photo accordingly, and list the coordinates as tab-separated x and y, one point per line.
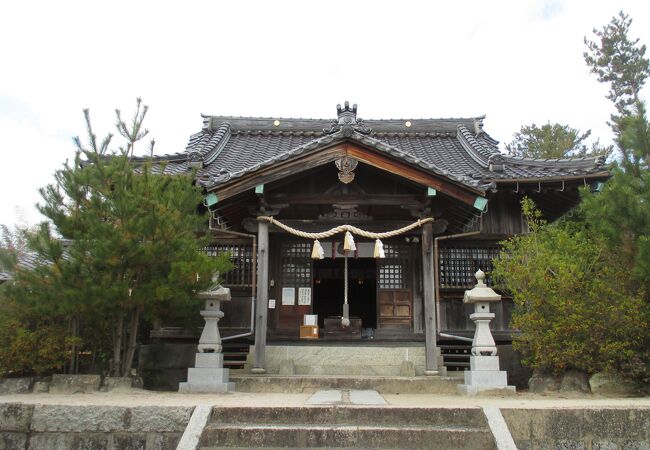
495	163
347	121
478	125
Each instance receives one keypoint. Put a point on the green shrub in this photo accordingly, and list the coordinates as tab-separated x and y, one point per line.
31	346
573	305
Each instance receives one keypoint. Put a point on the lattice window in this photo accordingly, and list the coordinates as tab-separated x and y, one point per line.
393	269
459	264
241	257
296	264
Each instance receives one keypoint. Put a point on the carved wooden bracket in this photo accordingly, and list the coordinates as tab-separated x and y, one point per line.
346	213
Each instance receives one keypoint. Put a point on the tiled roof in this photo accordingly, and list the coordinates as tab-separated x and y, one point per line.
27	261
230	147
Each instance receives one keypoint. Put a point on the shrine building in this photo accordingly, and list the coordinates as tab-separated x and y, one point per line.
426	202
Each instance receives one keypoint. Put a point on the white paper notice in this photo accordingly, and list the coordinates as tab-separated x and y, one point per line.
271	303
288	296
304	296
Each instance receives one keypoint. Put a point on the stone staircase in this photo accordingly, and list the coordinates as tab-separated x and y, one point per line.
235	353
346	427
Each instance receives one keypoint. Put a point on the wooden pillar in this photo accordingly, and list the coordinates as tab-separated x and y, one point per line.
262	301
416	278
429	300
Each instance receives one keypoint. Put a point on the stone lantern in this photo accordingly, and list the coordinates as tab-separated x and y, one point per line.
484	373
209	375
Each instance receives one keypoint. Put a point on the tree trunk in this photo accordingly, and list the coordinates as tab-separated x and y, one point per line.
74	331
133	339
118	332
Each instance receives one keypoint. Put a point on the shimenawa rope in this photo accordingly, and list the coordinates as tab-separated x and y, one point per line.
348	246
339	229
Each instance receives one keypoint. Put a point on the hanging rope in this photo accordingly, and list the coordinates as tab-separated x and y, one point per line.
346	227
345	320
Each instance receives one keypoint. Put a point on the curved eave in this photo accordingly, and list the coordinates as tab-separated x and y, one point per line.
576	163
590	176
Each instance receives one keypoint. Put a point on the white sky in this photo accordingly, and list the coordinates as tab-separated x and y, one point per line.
518	62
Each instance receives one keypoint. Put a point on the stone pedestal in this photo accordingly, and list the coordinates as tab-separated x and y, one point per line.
208	373
484	373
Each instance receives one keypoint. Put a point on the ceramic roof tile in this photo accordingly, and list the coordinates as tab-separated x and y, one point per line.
458	148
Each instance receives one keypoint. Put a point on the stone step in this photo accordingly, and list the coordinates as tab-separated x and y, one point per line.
313	383
456	356
235	364
350	415
277	448
346	427
328	436
227	354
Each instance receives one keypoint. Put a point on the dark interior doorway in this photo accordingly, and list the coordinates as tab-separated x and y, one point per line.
362	289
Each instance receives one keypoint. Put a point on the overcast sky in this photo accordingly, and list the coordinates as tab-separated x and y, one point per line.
518	62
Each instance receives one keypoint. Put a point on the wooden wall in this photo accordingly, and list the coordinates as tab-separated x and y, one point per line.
504	216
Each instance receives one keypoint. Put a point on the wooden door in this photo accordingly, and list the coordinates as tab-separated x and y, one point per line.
291	317
394	296
295	273
395	308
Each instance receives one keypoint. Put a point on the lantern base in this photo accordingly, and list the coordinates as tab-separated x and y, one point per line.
485	376
465	389
208	375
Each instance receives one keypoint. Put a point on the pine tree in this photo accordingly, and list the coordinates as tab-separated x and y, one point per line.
622	211
552	141
620	62
121	243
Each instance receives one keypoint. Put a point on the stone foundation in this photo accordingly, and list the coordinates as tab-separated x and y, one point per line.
371	360
579	428
37	427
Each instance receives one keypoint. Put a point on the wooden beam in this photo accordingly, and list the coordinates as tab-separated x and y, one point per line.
348	199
